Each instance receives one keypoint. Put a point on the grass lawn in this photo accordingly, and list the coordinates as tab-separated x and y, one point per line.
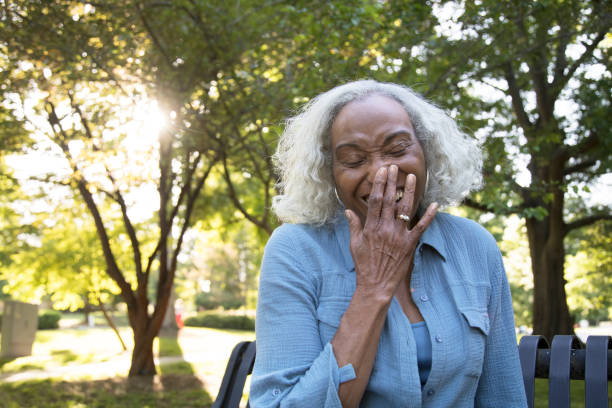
576	393
83	367
87	367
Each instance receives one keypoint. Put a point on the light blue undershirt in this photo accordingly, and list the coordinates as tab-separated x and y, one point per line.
423	346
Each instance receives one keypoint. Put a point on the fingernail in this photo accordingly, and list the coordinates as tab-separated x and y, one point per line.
382	171
348	214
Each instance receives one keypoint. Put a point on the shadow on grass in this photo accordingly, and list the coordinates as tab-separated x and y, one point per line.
178	368
113	392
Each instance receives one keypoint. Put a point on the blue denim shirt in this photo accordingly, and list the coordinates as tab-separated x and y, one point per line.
460	286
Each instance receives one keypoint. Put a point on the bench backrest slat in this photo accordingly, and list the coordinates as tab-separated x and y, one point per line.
528	354
559	376
597	371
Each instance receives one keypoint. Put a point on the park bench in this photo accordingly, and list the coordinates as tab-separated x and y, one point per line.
563	360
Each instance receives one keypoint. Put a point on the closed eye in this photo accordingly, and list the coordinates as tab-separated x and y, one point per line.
397	151
354	163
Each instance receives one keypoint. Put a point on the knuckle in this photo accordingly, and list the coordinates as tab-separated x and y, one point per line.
375	199
385	231
388	199
419	228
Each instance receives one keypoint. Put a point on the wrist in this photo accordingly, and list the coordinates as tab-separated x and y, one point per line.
374	297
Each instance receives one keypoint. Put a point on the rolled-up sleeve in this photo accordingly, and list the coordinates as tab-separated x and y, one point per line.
292	367
501	382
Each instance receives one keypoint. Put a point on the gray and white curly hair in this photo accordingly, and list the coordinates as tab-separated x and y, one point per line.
303	157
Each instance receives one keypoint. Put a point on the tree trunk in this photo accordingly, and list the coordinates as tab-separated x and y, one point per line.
550	311
86	311
143	363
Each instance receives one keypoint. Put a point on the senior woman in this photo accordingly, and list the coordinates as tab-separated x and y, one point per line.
368	296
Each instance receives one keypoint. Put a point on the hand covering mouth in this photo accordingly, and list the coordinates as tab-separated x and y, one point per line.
399	194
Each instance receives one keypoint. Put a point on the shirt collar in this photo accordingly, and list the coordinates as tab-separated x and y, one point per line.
432	237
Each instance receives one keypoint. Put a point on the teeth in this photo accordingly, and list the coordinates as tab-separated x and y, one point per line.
399	195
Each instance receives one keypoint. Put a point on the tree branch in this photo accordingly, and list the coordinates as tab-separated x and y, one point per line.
166	277
168	225
561	79
565	152
468	202
588	220
111	265
578	167
116	196
153	36
232	194
517	101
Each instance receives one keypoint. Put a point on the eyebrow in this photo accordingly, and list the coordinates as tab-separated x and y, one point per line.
387	140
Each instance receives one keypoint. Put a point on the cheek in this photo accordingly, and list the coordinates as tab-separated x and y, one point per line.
345	182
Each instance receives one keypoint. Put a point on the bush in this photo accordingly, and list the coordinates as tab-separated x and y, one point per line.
49	319
220	321
214	300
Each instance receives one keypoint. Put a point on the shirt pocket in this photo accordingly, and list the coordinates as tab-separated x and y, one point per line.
477	331
329	314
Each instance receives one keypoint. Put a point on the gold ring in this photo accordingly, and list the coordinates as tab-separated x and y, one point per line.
404	217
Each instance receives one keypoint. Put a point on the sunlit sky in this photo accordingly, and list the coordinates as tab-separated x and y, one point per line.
139	131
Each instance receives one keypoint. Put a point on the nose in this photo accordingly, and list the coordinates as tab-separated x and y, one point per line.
376	164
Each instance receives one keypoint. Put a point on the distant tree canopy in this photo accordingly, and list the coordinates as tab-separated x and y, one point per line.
531	80
546	119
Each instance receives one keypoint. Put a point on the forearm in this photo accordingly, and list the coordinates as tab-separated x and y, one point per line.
356	342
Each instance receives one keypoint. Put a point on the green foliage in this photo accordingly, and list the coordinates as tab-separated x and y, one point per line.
215	300
66	265
225	75
522	301
221	321
49	319
589	273
221	270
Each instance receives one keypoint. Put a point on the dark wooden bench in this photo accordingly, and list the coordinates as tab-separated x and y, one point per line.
565	359
238	367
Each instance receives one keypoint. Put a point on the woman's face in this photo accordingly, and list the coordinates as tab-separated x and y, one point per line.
366	135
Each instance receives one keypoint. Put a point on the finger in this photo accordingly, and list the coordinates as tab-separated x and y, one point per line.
406	203
388	208
424	222
376	197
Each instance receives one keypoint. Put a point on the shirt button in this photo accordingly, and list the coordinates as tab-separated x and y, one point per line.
430	392
438	339
275	392
424	298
